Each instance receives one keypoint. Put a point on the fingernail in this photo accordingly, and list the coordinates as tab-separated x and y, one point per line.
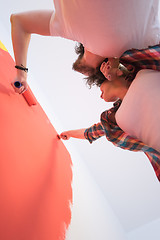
103	63
58	136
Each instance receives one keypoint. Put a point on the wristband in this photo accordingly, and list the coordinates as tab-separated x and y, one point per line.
22	68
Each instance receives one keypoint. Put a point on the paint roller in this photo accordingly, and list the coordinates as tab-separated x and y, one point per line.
28	95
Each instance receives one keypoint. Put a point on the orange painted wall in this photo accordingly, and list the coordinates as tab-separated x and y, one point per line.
35	168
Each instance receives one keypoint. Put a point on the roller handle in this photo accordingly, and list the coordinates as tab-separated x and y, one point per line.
17	84
28	95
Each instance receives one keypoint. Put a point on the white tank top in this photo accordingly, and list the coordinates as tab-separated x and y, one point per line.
139	113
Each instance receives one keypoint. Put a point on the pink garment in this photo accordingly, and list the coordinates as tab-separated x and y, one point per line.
139	113
107	27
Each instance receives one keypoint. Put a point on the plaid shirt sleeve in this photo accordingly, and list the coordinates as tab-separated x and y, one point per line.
148	58
94	132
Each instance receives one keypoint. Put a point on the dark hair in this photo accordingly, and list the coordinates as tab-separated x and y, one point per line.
79	49
95	76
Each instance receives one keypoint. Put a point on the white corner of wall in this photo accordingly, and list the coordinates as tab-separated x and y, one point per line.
148	232
92	216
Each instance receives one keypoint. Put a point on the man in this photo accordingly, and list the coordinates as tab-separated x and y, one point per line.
105	28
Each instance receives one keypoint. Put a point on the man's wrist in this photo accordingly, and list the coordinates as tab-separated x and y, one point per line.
21	74
22	68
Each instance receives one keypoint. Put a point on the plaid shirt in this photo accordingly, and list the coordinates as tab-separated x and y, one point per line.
141	59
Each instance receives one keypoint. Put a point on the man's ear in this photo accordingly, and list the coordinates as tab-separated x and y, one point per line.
119	73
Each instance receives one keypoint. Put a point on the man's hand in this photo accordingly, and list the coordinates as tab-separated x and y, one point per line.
20	83
22	26
111	69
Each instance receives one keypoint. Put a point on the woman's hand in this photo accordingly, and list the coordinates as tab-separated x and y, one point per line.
65	135
79	133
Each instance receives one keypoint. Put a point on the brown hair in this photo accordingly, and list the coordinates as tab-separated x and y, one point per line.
95	76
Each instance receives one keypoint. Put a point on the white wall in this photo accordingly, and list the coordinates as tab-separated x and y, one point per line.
92	217
4	37
149	231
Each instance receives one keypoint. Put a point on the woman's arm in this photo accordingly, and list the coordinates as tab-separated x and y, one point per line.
79	133
91	134
22	26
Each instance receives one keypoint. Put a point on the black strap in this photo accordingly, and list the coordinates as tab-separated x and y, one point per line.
22	68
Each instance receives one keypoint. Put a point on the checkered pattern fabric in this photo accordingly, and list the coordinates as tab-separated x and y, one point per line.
148	58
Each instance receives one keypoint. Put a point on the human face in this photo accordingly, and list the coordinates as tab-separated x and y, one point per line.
109	93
